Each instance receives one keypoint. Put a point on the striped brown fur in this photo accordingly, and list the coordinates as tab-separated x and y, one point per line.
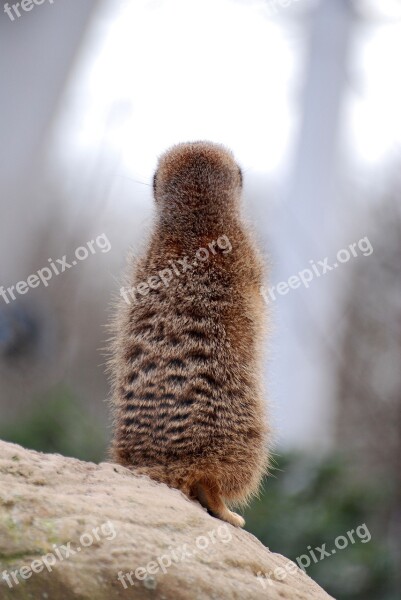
186	365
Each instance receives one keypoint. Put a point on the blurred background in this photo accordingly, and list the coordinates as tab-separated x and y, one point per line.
307	94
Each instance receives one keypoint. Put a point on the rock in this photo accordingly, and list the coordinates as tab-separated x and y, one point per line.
76	530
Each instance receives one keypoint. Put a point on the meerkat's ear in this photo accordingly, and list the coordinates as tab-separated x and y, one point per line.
241	179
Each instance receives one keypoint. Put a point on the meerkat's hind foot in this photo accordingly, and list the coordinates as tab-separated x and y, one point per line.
214	503
232	518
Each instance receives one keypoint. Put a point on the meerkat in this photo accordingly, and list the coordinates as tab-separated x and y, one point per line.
186	368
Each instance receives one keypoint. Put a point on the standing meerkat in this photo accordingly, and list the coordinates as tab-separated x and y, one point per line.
187	365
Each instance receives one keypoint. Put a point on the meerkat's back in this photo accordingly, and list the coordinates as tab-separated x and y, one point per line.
189	407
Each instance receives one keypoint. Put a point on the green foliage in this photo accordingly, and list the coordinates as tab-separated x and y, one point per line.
306	503
58	422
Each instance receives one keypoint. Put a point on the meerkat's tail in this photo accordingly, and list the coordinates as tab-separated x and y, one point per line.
174	478
195	487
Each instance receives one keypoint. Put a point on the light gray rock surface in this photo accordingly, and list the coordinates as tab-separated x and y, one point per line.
170	547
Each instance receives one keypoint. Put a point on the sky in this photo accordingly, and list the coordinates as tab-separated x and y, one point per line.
153	73
156	73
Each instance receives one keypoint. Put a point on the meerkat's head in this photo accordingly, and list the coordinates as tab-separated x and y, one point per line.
195	174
